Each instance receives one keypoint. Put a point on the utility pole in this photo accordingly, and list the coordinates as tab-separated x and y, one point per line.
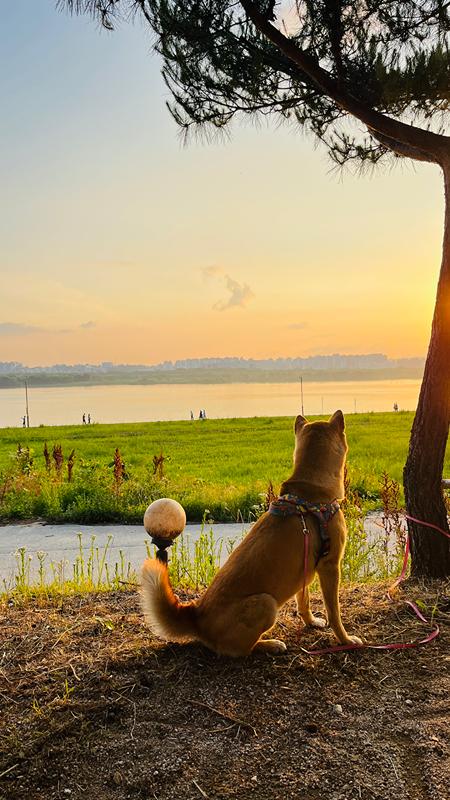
26	401
301	391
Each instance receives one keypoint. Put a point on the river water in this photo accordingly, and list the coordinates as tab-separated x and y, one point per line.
108	404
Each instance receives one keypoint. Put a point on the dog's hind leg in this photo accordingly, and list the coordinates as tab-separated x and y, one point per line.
272	646
302	600
239	630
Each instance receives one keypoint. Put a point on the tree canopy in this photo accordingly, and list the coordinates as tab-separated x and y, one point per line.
317	66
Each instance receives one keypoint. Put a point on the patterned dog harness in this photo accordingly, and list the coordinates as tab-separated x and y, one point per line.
288	505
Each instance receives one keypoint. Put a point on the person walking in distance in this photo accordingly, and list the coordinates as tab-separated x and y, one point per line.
84	419
89	419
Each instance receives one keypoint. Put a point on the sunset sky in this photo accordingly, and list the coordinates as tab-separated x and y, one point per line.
120	244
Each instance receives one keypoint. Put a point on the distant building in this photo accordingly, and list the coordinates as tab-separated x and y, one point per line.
320	362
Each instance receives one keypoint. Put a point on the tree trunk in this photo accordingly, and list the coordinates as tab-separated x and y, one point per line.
422	476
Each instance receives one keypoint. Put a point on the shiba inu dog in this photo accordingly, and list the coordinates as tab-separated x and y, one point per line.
268	567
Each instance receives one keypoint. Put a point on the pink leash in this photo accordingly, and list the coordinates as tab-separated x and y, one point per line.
397	646
306	535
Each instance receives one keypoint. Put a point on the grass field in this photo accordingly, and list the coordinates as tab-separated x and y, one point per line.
224	466
219	450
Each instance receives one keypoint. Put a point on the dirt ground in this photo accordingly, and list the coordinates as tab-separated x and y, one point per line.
92	706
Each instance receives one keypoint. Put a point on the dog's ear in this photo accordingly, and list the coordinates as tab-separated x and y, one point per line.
299	422
338	421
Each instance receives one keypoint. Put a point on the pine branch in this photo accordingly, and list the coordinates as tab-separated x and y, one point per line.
402	149
435	145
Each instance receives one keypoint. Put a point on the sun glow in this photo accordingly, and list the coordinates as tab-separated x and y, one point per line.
127	248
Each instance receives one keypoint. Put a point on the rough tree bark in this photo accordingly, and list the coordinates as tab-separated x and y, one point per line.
422	476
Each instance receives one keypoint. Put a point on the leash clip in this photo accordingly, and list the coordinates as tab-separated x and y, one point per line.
305	529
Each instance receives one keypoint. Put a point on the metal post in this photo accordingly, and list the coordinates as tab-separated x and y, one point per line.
301	390
26	399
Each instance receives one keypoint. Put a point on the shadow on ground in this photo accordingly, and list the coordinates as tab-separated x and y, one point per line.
93	706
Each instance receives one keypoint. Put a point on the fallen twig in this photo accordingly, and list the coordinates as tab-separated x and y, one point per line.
68	630
73	670
8	770
225	716
199	788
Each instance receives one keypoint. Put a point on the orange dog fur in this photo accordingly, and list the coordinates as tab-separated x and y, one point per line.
267	568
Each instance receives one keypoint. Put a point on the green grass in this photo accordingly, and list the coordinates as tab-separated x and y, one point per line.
221	465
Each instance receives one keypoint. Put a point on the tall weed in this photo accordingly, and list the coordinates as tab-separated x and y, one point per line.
358	560
393	525
90	572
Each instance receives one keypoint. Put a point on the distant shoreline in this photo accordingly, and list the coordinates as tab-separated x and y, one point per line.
207	376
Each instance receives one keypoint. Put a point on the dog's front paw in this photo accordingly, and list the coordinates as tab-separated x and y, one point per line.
317	622
355	640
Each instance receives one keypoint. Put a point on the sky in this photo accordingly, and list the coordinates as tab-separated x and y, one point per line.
118	243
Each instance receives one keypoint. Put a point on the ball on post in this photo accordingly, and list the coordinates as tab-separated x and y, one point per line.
164	520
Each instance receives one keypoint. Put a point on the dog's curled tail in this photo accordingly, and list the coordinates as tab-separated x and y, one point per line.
164	613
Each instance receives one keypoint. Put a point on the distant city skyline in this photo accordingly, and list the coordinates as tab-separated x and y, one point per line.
335	361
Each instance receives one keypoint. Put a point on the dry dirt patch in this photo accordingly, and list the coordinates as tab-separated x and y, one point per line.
93	706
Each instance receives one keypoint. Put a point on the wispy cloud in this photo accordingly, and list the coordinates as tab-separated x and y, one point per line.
299	327
15	329
319	351
104	263
210	272
240	295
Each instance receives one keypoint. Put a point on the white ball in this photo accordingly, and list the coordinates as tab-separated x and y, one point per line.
164	519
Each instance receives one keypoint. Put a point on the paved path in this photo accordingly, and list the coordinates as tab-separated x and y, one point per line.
61	542
127	545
